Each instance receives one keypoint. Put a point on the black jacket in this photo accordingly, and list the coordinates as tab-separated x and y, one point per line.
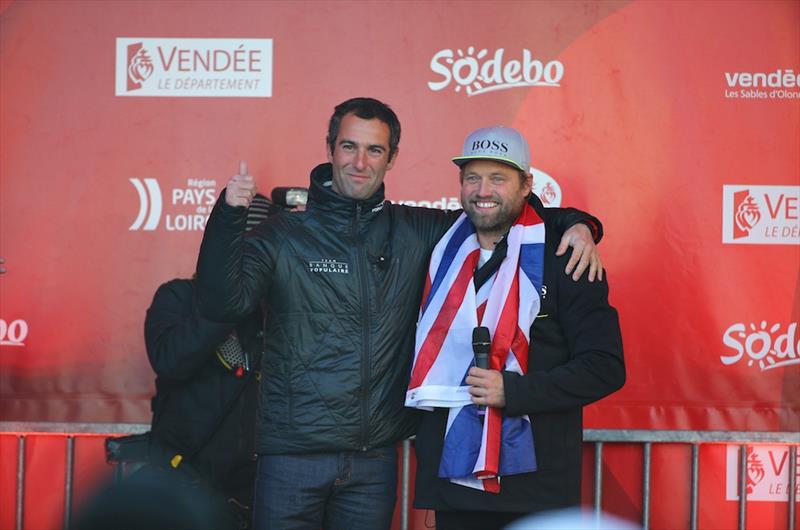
201	410
342	283
575	359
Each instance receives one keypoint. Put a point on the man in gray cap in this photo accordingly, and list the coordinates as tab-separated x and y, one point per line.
504	434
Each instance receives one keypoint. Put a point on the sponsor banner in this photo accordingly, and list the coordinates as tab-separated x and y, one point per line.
777	84
482	71
442	203
188	207
544	186
762	345
13	332
761	215
194	67
768	469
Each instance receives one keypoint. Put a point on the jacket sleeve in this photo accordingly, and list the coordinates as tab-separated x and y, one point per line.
561	219
232	271
179	341
594	367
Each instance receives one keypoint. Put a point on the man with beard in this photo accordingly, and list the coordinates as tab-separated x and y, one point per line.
504	439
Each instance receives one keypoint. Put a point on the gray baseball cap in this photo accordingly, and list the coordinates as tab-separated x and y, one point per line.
503	144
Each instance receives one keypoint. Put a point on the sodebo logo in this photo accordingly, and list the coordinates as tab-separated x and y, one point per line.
190	206
13	333
763	344
479	72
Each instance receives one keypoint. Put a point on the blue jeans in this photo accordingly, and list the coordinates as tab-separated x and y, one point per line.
350	490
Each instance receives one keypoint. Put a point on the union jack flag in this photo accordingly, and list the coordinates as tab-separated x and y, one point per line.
478	449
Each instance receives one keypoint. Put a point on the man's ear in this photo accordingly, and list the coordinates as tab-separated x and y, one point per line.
529	182
393	159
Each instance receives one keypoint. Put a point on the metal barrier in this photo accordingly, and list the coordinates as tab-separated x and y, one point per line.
598	437
70	431
695	438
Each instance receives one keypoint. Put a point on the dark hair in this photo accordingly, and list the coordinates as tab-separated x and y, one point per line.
366	109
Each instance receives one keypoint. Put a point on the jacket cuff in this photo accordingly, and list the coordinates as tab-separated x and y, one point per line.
234	218
512	388
595	227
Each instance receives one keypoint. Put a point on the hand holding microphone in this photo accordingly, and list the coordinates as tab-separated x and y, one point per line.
480	346
485	385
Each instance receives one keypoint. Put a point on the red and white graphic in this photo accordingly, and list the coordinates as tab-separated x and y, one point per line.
761	215
746	213
768	469
140	66
546	188
190	205
150	204
13	333
194	67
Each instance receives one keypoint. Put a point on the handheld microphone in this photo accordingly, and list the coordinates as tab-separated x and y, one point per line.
480	347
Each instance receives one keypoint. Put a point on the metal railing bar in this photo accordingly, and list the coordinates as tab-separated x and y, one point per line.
743	487
20	482
695	484
792	484
589	435
646	457
405	485
68	477
24	427
598	481
666	436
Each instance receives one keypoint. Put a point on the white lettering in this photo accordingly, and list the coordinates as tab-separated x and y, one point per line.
778	79
440	69
767	346
13	333
187	222
481	72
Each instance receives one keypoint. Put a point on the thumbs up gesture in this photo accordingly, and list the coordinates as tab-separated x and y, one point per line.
241	188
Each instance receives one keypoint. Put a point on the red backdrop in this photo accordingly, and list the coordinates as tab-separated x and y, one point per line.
676	123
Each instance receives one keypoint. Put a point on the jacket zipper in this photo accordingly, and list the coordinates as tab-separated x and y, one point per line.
363	270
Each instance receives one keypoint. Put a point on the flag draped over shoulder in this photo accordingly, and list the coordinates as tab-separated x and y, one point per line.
478	449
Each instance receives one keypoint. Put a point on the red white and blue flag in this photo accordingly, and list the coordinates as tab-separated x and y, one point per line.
478	449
